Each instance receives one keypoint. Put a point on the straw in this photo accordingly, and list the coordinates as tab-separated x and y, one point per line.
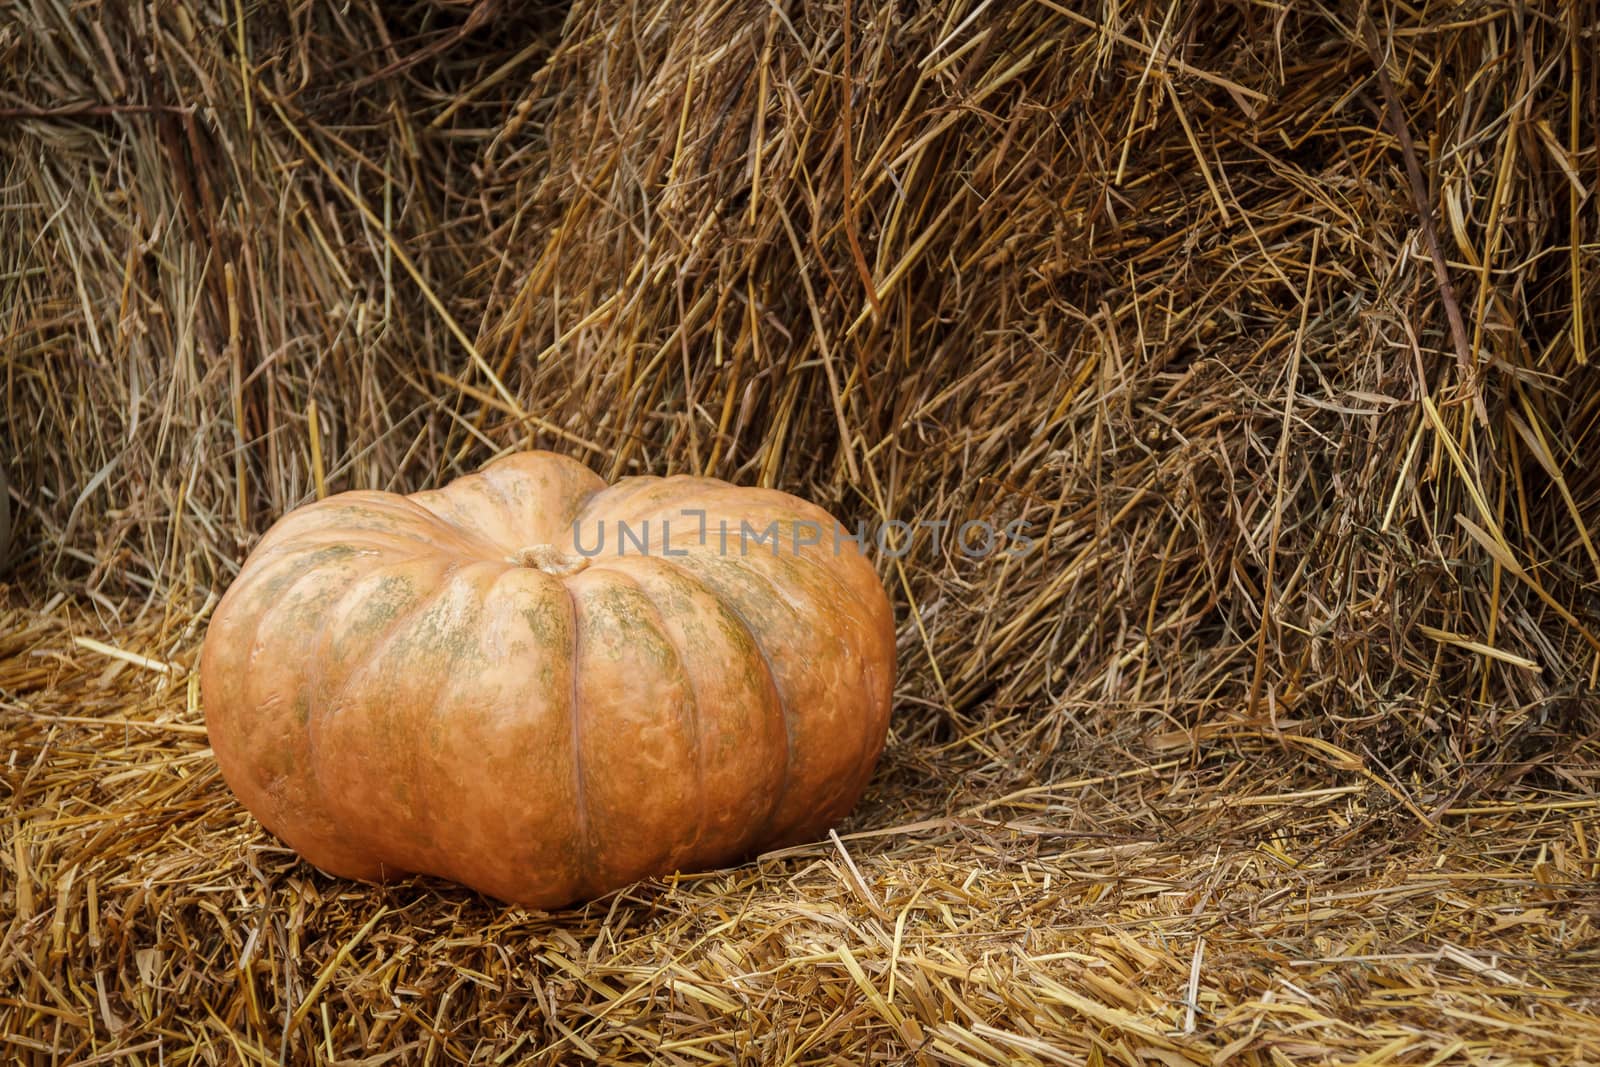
1271	325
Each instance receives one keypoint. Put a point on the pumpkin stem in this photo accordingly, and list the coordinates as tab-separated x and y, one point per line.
550	559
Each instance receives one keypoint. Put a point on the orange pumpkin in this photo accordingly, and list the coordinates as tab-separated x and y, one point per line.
546	688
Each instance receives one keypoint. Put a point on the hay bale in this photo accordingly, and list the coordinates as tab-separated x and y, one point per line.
1273	323
1175	303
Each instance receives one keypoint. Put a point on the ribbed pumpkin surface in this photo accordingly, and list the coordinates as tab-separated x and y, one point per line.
447	683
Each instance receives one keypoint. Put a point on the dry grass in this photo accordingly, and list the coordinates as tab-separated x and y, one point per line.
1277	322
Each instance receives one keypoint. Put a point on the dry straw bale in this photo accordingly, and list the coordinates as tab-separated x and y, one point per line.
1275	321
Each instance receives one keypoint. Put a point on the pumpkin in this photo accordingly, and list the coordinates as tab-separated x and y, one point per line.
544	687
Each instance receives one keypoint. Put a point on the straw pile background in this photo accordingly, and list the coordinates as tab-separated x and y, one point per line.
1277	324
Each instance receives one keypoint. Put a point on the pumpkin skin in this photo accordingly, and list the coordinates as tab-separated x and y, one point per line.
449	683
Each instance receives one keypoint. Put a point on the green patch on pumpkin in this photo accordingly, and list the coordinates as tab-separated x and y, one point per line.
549	623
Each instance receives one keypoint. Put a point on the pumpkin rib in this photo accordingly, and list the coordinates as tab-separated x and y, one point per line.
426	806
412	521
861	613
400	507
568	473
426	710
691	849
580	799
316	679
795	609
468	540
415	546
372	653
476	501
762	696
326	701
772	674
850	588
493	491
613	501
253	648
283	598
394	560
616	495
247	669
